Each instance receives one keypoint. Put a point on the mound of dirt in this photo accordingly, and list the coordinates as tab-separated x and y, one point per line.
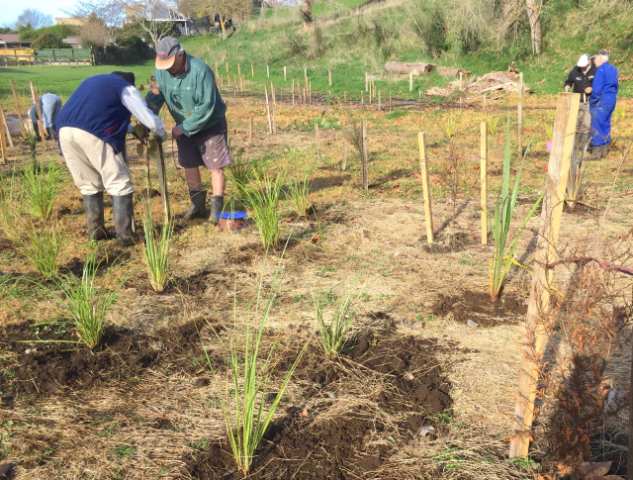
354	441
476	306
48	360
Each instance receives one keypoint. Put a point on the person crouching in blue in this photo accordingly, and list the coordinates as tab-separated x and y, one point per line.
602	103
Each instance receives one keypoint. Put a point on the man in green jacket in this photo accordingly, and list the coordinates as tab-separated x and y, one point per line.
187	85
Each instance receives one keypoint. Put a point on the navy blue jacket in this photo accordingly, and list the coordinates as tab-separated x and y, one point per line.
605	82
96	108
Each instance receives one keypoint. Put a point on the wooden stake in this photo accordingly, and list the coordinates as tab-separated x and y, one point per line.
3	143
364	159
318	143
227	67
250	129
484	183
410	81
329	74
344	97
426	191
6	126
461	82
252	71
40	120
519	116
267	71
362	99
17	105
345	146
284	74
274	119
552	210
162	182
270	122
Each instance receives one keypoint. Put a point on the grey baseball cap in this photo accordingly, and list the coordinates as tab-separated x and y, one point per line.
166	51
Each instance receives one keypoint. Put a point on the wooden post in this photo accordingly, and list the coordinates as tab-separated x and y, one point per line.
250	129
484	183
40	120
267	71
162	182
410	81
227	67
345	146
318	143
364	158
519	116
252	71
239	70
285	79
3	142
461	82
270	122
17	106
426	191
552	210
329	74
6	126
305	76
362	98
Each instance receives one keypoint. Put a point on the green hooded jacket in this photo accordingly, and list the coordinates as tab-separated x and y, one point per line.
193	98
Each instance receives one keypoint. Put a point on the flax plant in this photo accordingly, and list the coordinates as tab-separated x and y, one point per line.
41	247
85	299
245	416
492	124
263	199
333	334
157	251
504	211
41	189
298	193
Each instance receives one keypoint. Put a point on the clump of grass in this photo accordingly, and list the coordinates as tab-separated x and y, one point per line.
549	130
504	211
156	251
333	333
32	141
492	124
246	419
240	173
41	189
298	193
85	299
41	247
263	199
450	124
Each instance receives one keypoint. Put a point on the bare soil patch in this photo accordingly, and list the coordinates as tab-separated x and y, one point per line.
476	306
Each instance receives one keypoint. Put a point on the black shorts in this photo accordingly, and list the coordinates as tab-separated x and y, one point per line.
208	147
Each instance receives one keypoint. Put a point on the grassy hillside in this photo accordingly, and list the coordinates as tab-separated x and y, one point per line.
351	45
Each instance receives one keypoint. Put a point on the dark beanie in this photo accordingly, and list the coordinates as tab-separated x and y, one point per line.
127	76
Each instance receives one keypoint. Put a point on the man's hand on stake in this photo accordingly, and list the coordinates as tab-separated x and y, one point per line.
176	132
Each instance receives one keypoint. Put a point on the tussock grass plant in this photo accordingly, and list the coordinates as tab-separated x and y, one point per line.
86	299
262	197
298	193
504	212
41	189
247	391
240	173
32	141
41	247
157	250
450	124
492	124
333	333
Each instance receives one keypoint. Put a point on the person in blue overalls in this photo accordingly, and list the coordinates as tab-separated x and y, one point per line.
602	103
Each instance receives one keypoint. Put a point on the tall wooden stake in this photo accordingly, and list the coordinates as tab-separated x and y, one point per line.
250	129
6	126
345	97
267	71
17	106
318	143
40	119
252	71
410	81
519	116
329	74
364	159
426	191
239	70
552	210
3	143
270	122
226	64
285	74
484	183
344	163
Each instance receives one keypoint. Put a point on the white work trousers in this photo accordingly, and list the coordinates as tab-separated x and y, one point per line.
93	164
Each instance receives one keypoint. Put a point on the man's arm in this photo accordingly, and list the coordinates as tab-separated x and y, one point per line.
570	79
205	97
132	100
597	86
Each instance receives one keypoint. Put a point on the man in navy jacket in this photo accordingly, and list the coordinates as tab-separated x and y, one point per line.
91	128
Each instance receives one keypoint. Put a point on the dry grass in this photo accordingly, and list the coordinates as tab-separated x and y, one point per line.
381	233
